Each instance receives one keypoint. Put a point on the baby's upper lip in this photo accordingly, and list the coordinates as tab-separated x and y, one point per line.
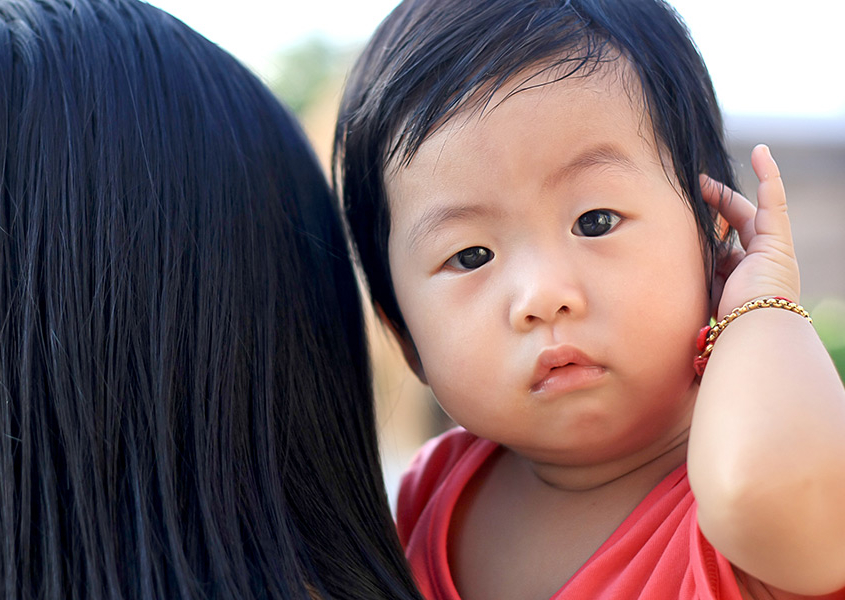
559	356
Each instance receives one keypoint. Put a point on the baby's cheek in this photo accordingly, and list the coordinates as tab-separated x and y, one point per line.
458	367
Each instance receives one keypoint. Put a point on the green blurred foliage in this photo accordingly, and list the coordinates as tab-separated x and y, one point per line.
829	320
304	71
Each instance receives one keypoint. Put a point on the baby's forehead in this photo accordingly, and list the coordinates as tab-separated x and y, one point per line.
616	78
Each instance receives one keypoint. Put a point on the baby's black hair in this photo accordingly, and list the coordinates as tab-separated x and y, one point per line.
431	59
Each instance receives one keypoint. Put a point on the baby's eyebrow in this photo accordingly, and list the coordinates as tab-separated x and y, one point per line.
437	216
605	155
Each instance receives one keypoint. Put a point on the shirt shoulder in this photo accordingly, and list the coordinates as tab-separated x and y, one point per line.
427	472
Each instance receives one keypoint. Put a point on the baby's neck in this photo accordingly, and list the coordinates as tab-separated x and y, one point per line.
521	529
643	469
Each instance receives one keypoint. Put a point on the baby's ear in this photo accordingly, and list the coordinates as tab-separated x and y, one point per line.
409	350
727	258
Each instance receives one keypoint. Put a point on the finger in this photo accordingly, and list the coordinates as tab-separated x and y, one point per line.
768	173
734	207
771	216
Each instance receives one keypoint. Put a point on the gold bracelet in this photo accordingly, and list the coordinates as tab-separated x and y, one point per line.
708	335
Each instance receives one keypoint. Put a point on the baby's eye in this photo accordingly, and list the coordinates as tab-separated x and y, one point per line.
470	258
595	223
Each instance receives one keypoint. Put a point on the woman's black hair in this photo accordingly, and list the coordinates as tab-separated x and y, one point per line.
185	402
433	58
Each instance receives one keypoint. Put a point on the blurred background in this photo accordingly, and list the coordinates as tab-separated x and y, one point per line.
779	76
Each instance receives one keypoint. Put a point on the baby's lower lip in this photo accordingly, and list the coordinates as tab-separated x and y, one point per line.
569	378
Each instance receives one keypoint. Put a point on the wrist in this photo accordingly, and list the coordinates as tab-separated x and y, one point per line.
708	335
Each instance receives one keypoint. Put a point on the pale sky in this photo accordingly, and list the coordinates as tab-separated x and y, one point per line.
766	57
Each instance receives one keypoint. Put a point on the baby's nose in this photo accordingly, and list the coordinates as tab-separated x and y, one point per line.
545	292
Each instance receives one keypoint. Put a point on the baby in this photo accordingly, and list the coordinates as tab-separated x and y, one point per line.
540	195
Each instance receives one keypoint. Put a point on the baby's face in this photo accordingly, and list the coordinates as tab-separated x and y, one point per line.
550	275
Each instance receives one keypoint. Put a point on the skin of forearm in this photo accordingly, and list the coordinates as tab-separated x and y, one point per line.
767	453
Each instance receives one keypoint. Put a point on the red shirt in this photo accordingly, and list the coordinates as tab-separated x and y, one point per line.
657	552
